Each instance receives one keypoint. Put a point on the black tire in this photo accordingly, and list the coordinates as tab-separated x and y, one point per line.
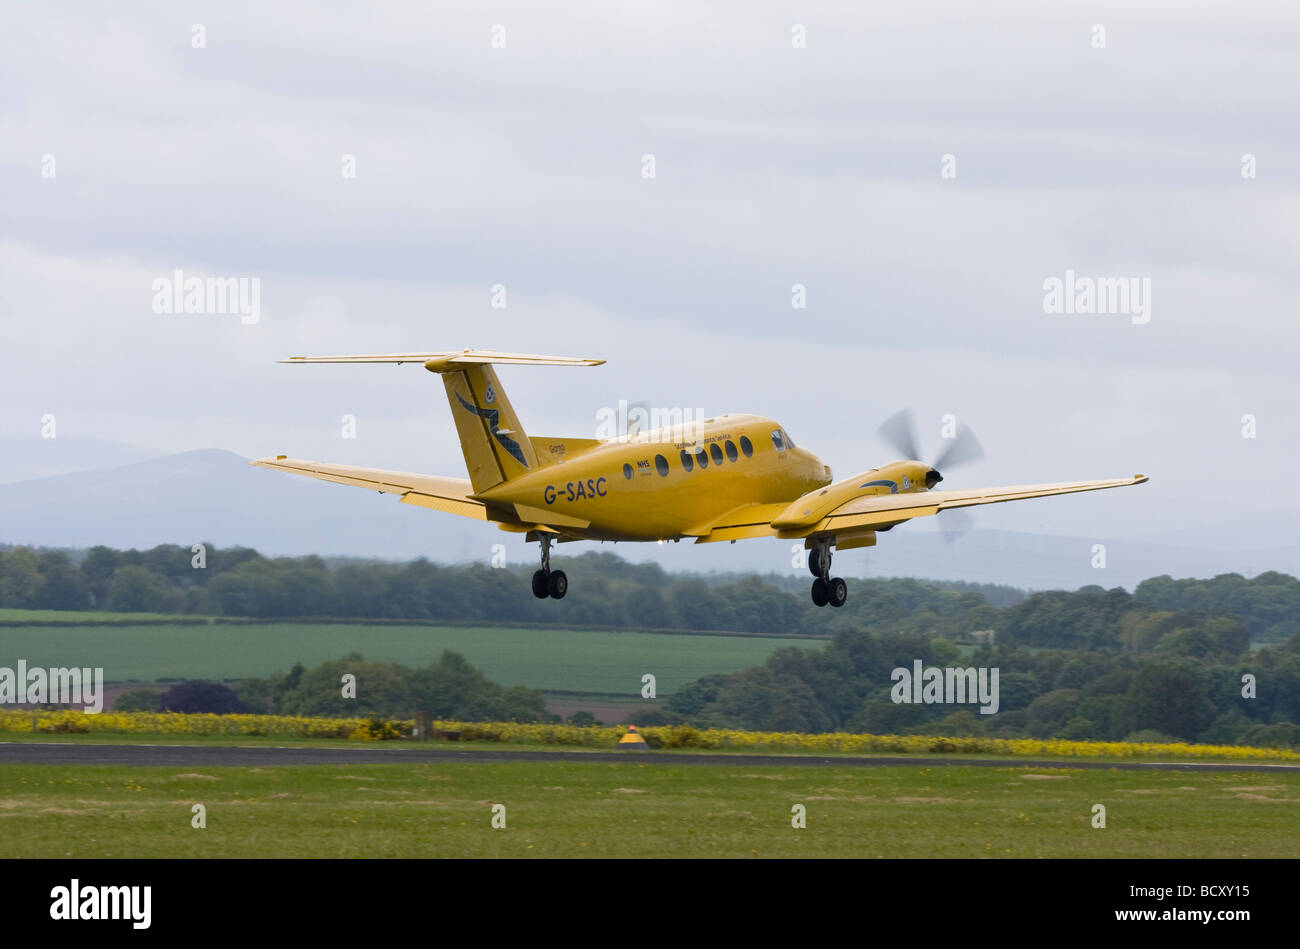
813	563
837	592
541	588
558	585
820	594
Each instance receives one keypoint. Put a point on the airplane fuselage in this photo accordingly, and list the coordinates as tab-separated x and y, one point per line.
665	483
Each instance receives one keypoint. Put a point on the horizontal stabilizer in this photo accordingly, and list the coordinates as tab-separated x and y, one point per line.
465	356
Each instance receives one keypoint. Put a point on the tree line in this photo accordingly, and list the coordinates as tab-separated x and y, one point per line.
239	582
1222	695
450	688
1191	617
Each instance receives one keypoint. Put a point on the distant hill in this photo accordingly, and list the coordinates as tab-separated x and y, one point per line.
22	459
216	496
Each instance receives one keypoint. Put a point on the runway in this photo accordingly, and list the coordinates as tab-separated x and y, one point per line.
63	753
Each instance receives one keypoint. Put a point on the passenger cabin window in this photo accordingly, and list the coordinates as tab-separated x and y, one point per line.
701	458
715	453
777	440
687	462
627	472
661	465
746	446
731	451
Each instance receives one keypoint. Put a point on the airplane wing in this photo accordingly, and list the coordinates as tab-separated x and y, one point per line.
441	494
883	510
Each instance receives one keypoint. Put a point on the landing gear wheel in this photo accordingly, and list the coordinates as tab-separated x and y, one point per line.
820	593
815	566
838	592
548	582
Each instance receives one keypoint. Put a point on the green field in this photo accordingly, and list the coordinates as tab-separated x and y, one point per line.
11	616
541	658
631	809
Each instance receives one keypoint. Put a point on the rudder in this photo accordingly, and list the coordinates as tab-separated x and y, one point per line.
494	443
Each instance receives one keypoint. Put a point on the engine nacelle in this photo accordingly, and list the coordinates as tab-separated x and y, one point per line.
901	477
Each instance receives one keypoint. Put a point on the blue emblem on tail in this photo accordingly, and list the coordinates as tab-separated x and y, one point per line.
493	417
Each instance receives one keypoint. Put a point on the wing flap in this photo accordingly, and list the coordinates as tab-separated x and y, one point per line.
552	519
472	509
742	523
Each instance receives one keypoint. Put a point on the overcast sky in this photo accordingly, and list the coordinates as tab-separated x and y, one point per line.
523	166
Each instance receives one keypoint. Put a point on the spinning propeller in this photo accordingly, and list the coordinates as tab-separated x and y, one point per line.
899	431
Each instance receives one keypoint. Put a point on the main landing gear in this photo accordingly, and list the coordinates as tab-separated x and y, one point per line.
548	582
825	589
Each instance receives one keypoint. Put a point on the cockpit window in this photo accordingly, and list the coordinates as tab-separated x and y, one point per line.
778	440
789	442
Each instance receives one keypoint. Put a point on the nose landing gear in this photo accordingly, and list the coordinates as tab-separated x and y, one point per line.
548	582
825	589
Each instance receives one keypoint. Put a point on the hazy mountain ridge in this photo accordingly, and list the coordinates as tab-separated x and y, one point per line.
26	459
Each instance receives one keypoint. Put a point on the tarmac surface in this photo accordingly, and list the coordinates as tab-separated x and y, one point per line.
64	753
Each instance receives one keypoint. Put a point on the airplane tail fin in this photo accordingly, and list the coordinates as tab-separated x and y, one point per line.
495	446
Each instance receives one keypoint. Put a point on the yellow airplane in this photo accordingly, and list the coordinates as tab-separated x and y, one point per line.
730	477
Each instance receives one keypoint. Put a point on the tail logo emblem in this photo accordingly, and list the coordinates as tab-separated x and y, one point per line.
493	418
